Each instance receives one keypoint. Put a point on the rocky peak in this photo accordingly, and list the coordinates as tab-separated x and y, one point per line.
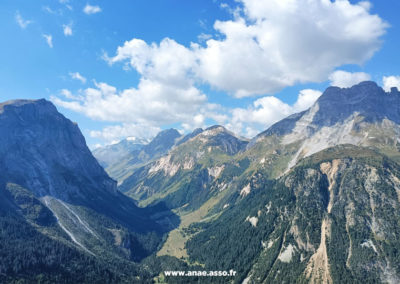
162	142
110	154
336	105
367	99
189	136
219	136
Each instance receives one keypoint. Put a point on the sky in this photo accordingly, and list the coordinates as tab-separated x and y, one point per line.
130	68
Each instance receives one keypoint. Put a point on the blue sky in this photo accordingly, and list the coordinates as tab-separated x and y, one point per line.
131	68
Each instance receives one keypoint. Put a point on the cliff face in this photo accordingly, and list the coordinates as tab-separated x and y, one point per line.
48	177
332	219
337	105
363	115
43	151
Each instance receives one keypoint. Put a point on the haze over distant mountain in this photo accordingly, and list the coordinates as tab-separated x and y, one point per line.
195	163
315	198
121	159
305	200
115	152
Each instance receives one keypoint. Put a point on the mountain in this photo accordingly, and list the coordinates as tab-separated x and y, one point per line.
363	115
314	198
318	199
109	154
334	218
195	163
133	156
53	188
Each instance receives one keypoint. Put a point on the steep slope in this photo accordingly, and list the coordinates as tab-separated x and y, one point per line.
363	115
311	199
121	168
49	179
109	154
190	173
334	218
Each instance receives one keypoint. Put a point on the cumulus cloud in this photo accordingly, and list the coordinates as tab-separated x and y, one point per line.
89	9
49	40
391	81
77	76
265	47
67	29
274	44
21	21
118	132
151	103
267	110
344	79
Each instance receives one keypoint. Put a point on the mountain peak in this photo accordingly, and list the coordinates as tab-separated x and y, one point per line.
162	142
24	104
366	99
335	105
40	147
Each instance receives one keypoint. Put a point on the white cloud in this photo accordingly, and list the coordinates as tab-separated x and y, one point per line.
344	79
273	44
119	132
267	110
66	3
158	62
266	46
152	103
67	94
49	40
21	21
203	37
391	81
89	9
67	29
49	10
306	99
77	76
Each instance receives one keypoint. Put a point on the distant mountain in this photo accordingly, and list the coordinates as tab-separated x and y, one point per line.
194	163
109	154
361	115
50	184
314	198
133	156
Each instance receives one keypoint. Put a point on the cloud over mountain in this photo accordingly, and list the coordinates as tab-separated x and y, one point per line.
265	47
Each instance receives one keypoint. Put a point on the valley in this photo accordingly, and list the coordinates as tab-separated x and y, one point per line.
313	199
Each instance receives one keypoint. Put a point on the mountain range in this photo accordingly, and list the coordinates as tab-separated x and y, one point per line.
315	198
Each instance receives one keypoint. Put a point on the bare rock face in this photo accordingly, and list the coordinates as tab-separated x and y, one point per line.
336	105
45	152
363	115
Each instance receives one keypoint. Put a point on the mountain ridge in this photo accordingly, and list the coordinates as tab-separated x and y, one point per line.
50	179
